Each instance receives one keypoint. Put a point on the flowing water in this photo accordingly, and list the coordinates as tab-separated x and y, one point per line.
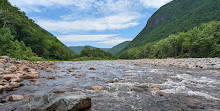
129	87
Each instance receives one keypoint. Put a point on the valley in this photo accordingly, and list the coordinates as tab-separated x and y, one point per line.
48	62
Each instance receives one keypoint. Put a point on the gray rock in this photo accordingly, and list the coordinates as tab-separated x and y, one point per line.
12	68
6	58
60	102
1	65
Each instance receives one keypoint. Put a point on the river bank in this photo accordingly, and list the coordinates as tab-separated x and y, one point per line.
190	63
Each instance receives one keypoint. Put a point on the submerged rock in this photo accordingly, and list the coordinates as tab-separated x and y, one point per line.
60	102
155	89
48	70
50	77
37	83
97	88
92	68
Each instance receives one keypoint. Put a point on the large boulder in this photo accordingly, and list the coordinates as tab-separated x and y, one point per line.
8	76
13	77
60	102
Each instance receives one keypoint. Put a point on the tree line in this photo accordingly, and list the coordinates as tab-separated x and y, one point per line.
94	54
202	41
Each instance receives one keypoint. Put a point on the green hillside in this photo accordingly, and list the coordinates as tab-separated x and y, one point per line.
119	47
78	49
176	16
26	31
202	41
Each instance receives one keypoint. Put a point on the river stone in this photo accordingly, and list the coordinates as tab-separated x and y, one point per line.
97	88
5	57
16	97
1	65
60	102
12	68
1	88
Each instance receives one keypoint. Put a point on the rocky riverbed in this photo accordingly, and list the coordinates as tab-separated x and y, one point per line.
115	85
190	63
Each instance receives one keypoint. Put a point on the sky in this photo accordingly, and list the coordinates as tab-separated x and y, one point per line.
98	23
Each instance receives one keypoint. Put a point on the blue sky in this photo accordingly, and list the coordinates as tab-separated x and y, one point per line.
99	23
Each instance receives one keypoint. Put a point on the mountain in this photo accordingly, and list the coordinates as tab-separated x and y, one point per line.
25	30
78	49
119	47
176	16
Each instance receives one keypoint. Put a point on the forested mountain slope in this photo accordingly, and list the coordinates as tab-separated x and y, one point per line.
43	43
201	41
119	47
176	16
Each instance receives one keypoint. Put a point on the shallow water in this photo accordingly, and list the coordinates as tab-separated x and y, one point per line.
127	87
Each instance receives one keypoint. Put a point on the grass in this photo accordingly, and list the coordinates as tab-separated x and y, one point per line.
35	59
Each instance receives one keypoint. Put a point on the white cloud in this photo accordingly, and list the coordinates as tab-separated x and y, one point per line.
31	5
90	15
154	3
99	5
112	39
113	22
83	38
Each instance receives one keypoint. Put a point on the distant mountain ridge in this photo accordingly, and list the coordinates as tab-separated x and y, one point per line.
119	47
176	16
78	49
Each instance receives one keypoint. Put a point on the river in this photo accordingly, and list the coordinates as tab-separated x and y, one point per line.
128	87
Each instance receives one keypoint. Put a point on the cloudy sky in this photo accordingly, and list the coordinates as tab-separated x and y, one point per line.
100	23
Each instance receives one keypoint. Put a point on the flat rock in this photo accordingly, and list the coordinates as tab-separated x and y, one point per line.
60	102
16	97
31	76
